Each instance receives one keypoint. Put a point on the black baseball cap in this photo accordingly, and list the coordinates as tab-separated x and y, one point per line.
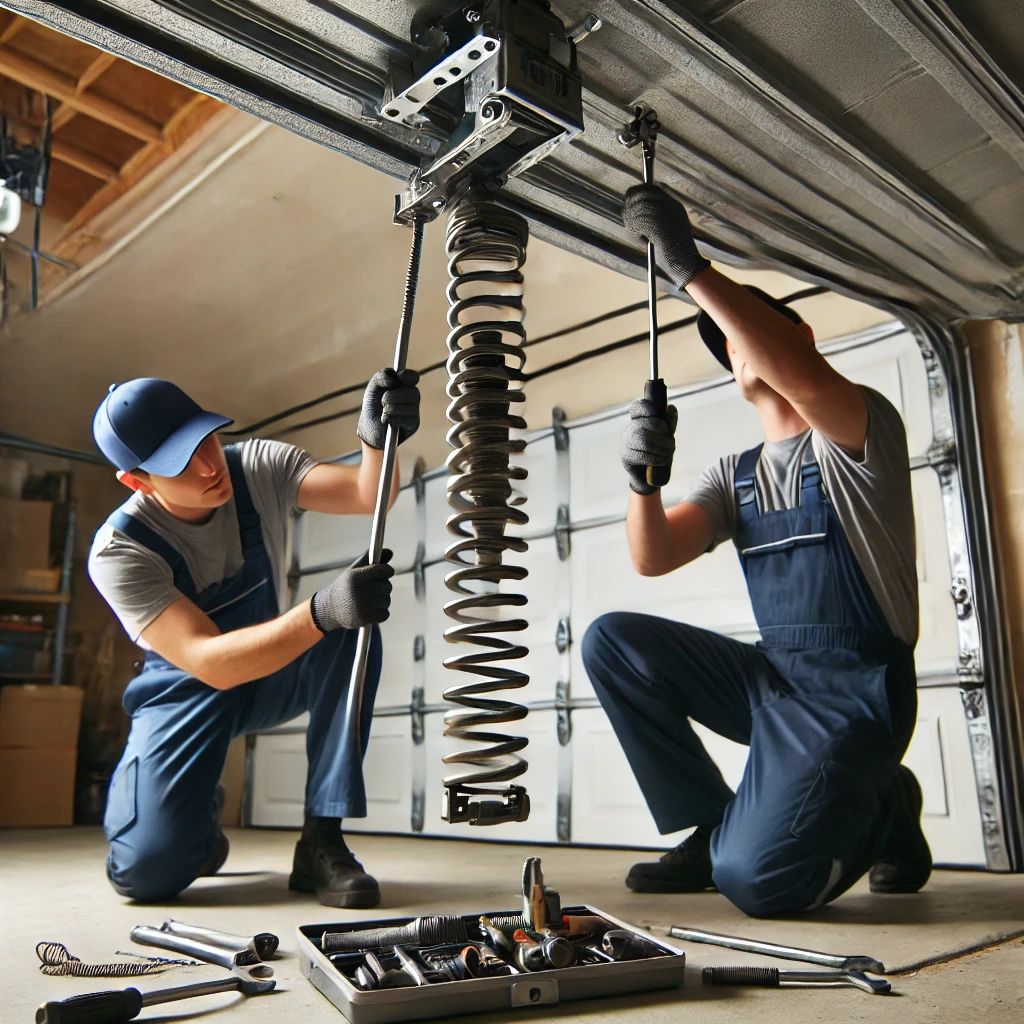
712	335
152	425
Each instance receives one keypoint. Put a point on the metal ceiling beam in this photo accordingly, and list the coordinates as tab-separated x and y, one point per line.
667	29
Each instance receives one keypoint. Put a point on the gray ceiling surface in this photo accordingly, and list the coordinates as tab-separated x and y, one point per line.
876	146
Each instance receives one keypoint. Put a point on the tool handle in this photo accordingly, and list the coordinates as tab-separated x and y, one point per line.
113	1007
759	977
656	393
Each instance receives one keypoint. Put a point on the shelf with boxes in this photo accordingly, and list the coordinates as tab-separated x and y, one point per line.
37	534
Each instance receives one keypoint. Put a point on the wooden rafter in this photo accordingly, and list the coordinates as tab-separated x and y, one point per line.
196	112
65	88
75	156
14	26
65	112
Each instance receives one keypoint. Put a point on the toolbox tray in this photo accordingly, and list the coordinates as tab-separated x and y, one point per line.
484	995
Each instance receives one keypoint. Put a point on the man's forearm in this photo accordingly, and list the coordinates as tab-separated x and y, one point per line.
230	659
647	530
766	341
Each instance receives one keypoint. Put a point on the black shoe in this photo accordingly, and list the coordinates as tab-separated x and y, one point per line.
216	862
907	861
324	865
687	868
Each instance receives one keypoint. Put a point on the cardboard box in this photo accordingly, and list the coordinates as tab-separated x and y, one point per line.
37	787
39	717
24	541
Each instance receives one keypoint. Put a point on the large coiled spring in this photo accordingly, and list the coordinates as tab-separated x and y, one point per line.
486	249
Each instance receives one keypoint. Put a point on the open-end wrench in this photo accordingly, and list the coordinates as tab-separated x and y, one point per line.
809	956
244	964
120	1005
263	944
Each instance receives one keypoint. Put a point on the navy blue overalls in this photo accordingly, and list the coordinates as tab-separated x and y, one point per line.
161	816
826	701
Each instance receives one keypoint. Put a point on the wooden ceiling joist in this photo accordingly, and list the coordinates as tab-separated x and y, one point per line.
65	88
75	156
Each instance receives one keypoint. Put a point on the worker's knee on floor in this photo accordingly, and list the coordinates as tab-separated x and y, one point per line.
150	872
741	877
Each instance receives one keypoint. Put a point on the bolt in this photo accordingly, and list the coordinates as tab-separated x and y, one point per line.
438	204
473	16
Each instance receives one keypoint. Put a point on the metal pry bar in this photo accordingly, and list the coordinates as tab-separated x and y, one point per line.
354	697
810	956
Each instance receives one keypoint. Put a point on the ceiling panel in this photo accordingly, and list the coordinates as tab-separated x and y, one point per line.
873	145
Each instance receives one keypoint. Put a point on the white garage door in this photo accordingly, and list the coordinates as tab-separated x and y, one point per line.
580	786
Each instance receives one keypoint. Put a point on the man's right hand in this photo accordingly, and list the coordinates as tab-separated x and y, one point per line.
649	440
655	216
360	596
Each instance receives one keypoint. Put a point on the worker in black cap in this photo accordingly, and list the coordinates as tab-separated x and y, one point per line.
822	519
195	565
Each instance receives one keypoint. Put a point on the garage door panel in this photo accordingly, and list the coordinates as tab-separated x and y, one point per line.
279	780
539	460
938	644
387	771
607	805
327	540
940	756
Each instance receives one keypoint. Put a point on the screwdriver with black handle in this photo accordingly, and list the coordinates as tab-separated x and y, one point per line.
121	1005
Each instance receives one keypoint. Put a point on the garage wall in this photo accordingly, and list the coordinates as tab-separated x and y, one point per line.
580	786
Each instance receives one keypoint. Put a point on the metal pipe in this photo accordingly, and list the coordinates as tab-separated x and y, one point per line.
357	682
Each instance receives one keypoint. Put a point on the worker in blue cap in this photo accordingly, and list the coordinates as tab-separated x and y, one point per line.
195	565
822	518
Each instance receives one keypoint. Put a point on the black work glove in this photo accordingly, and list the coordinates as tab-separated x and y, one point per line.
361	595
649	440
655	216
390	397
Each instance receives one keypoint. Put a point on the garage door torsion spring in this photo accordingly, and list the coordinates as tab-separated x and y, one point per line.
486	246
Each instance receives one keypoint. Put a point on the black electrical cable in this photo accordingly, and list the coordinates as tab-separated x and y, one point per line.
581	357
349	389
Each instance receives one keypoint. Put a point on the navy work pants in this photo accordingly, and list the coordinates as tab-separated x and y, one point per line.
826	731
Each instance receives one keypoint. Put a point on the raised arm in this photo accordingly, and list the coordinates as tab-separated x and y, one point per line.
779	352
783	355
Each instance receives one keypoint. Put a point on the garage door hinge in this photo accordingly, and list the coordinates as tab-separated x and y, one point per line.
562	527
961	592
563	636
942	457
563	710
416	706
561	431
419	579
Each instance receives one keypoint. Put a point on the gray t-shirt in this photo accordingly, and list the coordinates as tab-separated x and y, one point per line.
872	499
139	585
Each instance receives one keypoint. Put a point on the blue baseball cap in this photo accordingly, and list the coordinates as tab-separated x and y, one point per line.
152	425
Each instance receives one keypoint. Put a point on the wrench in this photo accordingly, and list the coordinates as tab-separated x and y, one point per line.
244	964
120	1005
810	956
263	944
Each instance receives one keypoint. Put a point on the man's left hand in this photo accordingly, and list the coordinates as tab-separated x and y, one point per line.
390	398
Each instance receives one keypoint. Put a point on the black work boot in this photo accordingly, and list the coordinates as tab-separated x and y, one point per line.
906	862
216	862
687	868
324	865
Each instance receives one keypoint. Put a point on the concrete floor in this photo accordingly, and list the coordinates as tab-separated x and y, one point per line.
52	887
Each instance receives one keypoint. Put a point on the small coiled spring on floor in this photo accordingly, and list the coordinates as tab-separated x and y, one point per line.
56	960
486	248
